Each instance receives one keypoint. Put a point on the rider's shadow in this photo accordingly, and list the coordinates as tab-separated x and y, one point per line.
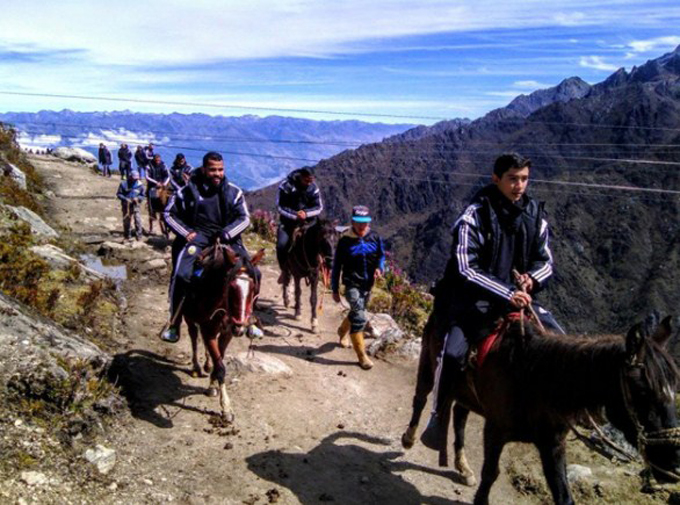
151	384
344	473
271	314
306	352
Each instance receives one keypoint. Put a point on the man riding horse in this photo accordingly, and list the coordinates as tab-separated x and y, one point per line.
157	178
299	203
502	230
207	209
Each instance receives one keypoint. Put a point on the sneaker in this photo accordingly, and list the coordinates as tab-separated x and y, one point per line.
171	335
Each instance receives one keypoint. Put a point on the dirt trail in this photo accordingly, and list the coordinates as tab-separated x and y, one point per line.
328	433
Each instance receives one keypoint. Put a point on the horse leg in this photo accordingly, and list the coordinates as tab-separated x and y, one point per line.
218	367
298	295
493	447
195	366
460	463
313	286
286	293
554	462
424	385
225	402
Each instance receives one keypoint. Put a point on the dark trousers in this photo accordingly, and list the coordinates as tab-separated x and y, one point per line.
284	235
125	167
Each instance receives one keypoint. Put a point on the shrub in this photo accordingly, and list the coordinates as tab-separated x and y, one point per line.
264	224
395	294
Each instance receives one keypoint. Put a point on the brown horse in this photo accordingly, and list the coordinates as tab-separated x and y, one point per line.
534	387
310	256
221	305
156	205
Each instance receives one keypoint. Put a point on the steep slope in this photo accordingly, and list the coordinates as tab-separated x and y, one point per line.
617	252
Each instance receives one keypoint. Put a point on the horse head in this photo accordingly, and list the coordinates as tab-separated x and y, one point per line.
648	384
241	288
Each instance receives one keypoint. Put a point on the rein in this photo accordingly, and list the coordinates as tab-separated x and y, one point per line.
665	437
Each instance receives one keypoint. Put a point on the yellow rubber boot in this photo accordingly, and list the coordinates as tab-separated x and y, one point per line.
343	333
360	349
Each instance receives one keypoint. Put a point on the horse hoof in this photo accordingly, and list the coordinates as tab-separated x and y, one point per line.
211	392
469	480
196	374
228	417
407	441
297	317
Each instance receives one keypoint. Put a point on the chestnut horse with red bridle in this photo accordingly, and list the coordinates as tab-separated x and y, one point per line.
220	304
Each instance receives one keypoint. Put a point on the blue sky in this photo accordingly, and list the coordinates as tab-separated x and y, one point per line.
428	59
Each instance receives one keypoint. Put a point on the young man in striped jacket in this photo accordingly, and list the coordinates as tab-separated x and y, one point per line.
207	208
503	229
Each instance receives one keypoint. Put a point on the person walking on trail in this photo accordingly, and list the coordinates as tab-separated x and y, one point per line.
207	209
104	160
299	202
124	161
142	162
131	194
501	231
180	172
360	257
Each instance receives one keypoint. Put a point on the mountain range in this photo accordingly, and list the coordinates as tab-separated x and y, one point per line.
258	150
617	251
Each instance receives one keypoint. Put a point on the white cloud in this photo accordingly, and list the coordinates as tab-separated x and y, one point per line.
656	44
504	94
571	18
598	63
530	85
175	31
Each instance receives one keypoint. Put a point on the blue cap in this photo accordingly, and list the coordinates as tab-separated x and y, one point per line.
360	214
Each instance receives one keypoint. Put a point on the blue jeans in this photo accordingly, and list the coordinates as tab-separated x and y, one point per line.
357	299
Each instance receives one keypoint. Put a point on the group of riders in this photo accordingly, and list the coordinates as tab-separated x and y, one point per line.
500	257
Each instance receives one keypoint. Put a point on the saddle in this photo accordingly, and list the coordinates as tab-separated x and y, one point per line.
478	353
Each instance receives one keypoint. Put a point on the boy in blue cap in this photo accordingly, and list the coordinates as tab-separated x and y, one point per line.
360	256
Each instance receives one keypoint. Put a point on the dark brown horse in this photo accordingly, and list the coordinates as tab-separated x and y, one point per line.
310	256
221	305
157	201
534	387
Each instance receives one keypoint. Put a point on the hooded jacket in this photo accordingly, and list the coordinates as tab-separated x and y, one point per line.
293	197
208	210
492	237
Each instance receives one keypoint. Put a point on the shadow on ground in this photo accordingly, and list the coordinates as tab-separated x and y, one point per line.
152	386
346	473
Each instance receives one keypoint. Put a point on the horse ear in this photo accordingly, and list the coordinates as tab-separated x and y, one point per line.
231	254
664	331
634	341
258	257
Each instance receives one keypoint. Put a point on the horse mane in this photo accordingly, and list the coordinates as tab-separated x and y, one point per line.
573	373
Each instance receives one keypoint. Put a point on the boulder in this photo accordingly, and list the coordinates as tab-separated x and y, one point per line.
381	323
34	478
38	226
15	173
103	458
74	154
259	363
57	258
154	264
33	350
578	472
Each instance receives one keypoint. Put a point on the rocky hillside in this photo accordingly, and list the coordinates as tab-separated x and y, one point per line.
270	146
617	252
